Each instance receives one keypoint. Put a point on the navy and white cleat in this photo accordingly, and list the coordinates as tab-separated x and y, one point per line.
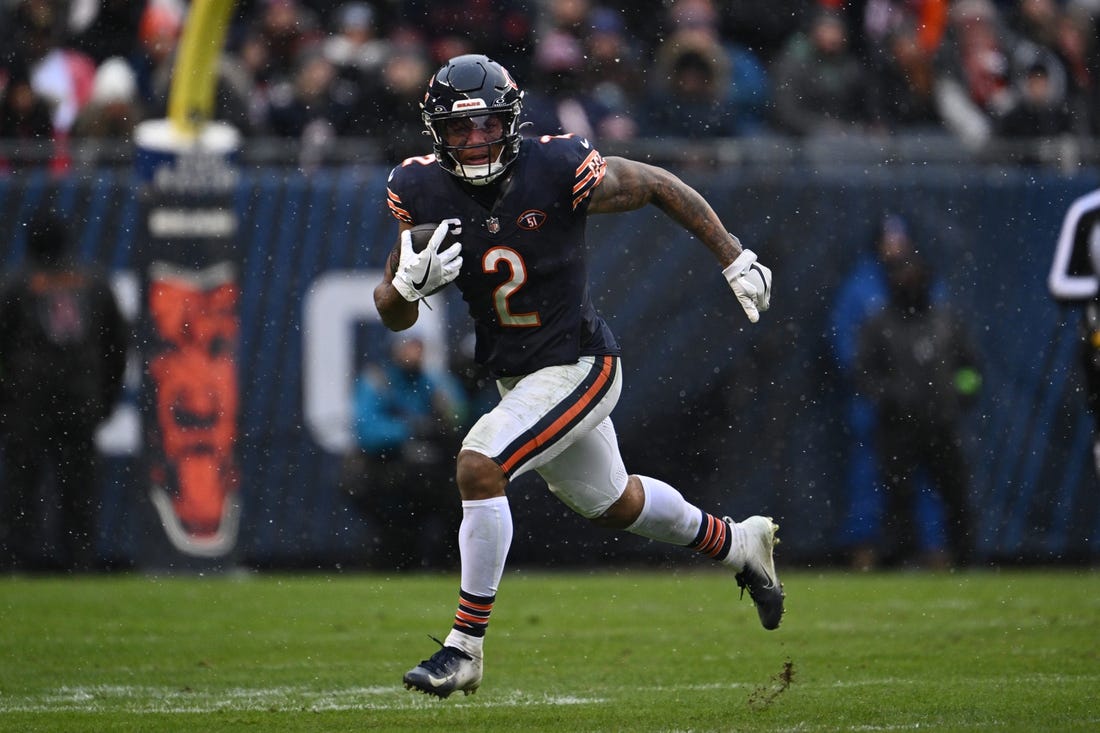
448	670
758	576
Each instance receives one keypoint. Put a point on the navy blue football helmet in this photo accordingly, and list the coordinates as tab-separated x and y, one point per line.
476	88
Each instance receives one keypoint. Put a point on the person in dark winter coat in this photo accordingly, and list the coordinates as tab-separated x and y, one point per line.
917	363
863	293
63	344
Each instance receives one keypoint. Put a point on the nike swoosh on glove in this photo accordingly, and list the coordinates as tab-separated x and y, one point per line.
751	283
420	274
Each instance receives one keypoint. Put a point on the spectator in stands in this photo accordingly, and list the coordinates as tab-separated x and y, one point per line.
1077	47
246	75
690	93
63	347
394	105
158	35
918	365
286	29
60	74
8	43
114	108
502	29
1038	109
354	47
705	86
819	86
407	423
763	26
585	55
107	28
882	19
571	16
24	115
902	78
637	17
560	102
973	74
1035	20
32	28
615	68
312	99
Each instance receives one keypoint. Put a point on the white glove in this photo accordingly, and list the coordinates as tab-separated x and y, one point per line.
751	283
420	274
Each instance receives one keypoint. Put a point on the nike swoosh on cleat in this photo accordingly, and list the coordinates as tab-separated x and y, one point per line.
428	271
437	681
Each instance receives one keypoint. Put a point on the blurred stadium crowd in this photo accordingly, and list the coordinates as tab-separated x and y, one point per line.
317	71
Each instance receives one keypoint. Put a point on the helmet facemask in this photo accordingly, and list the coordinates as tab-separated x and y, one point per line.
455	138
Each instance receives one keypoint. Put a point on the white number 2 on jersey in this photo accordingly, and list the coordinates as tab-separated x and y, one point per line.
493	260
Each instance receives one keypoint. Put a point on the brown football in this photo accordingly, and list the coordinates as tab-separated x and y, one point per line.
422	234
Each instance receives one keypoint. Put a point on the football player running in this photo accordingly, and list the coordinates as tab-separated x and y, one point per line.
520	266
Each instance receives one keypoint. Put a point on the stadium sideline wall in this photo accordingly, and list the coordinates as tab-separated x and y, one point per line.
742	418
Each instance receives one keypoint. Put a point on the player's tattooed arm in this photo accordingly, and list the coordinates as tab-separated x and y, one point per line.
629	185
397	313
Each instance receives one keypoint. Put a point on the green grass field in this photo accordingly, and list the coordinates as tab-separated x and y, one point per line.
602	651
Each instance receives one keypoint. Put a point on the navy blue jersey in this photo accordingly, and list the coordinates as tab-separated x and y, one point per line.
524	276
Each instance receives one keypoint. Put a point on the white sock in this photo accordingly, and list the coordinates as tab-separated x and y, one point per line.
483	541
738	547
666	516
